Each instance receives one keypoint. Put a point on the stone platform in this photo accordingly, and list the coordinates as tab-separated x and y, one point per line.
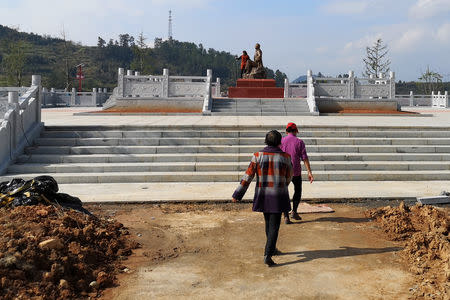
255	88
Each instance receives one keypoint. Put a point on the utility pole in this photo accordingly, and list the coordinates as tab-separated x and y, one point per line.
80	76
170	25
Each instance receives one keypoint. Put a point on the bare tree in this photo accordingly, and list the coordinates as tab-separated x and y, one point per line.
376	61
66	59
430	81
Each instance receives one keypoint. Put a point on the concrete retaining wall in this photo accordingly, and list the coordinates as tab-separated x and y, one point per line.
336	105
155	104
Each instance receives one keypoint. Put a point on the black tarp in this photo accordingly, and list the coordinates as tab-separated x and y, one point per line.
41	189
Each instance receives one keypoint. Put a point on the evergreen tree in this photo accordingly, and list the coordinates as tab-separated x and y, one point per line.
376	60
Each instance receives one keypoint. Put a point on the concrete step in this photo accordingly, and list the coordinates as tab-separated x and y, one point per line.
224	157
253	133
230	176
238	128
124	154
218	167
232	141
231	149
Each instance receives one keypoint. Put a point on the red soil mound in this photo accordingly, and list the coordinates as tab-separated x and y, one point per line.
49	253
425	233
374	111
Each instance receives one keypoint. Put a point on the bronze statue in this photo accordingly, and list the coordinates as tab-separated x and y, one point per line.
255	69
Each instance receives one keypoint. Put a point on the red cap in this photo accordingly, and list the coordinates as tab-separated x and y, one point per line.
292	126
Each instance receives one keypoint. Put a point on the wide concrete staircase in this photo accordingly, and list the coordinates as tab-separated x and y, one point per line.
122	154
260	107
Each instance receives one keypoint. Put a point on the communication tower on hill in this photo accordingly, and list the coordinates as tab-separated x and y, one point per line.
170	25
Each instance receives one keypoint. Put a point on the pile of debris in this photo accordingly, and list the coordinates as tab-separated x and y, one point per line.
425	232
50	251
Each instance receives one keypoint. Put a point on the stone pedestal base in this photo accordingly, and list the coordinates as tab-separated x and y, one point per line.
255	88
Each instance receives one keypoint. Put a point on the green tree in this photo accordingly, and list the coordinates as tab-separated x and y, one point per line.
376	60
139	53
14	62
430	81
101	43
279	78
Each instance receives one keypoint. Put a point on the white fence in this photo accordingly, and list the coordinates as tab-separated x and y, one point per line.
355	88
295	90
347	88
438	100
150	87
433	100
22	122
63	98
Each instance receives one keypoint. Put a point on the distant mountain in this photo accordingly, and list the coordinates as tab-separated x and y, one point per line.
302	78
55	60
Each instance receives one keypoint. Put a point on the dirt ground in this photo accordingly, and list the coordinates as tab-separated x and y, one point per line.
215	251
47	252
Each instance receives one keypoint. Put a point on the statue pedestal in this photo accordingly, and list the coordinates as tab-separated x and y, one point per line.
255	88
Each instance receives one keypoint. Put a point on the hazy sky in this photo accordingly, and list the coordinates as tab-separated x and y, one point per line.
328	36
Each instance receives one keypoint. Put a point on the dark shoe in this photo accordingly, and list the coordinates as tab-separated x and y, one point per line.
287	220
295	216
277	252
268	261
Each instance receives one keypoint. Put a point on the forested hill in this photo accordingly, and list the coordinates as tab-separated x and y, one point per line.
23	54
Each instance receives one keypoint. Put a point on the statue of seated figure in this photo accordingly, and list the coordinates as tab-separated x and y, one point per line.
254	69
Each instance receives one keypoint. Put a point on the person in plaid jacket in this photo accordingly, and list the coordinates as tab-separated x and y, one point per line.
273	170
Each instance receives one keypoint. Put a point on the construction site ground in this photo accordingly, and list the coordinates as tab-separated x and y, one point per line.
215	251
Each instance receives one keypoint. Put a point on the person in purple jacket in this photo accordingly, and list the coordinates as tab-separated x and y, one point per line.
295	147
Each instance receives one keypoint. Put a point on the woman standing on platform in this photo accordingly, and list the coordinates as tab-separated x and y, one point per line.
244	58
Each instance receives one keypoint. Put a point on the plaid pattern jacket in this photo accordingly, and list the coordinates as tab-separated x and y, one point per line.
273	170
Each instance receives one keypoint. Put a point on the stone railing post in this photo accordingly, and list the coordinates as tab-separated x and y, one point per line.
217	87
94	97
311	98
137	73
120	82
36	81
446	99
286	88
13	101
411	98
351	85
391	85
129	72
207	100
208	82
165	83
73	96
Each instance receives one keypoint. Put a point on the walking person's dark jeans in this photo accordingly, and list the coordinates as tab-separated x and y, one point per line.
273	221
297	181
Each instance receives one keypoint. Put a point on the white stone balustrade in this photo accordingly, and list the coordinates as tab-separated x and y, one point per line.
21	123
73	98
438	100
